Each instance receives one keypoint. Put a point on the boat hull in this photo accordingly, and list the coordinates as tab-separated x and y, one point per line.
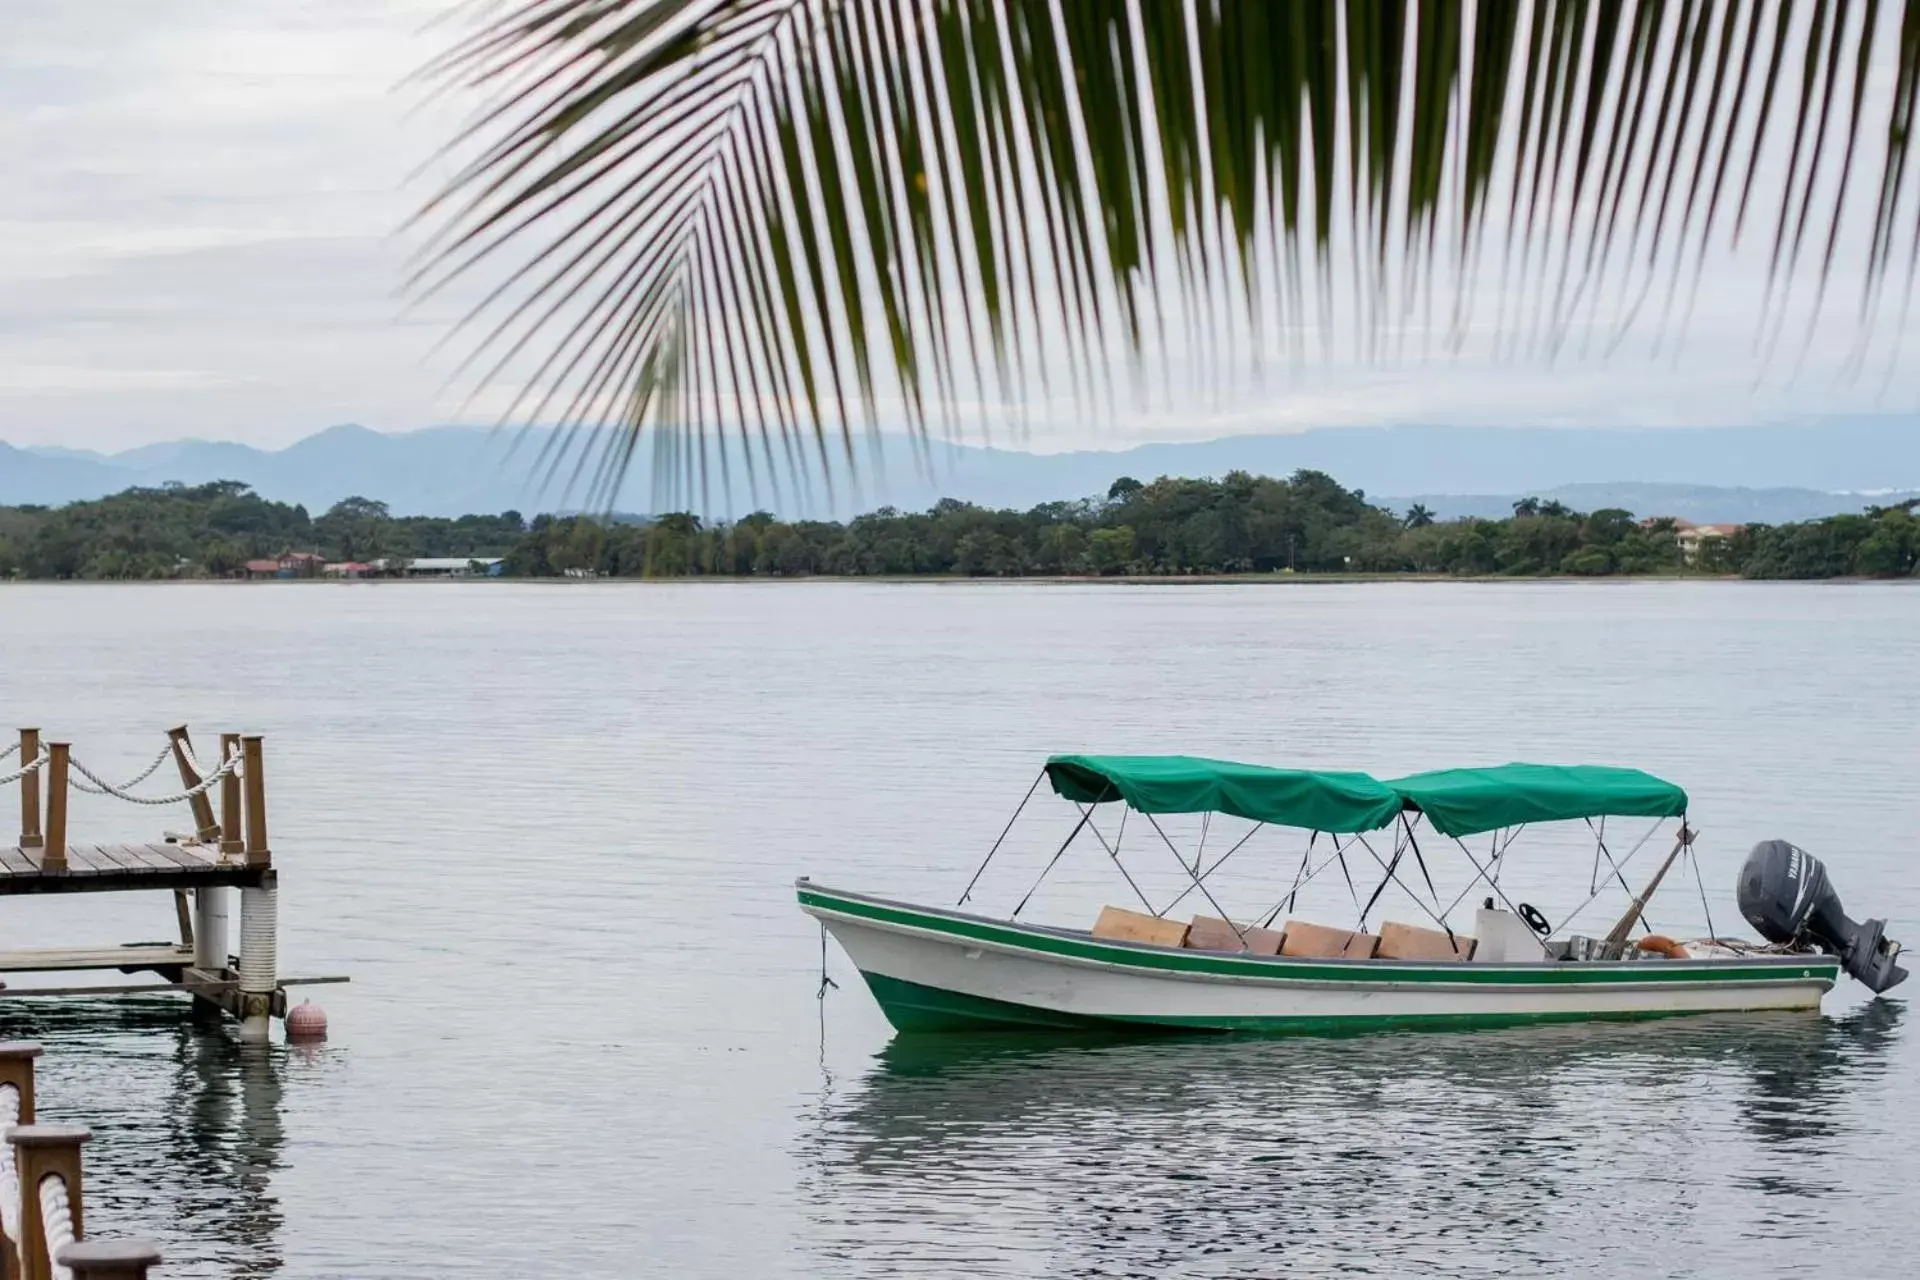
936	970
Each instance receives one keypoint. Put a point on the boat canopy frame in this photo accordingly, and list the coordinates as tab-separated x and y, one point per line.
1455	803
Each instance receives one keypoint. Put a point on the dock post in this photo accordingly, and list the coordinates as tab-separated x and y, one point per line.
16	1072
16	1107
230	841
43	1152
211	932
259	906
204	825
110	1259
251	753
54	856
29	791
211	935
259	956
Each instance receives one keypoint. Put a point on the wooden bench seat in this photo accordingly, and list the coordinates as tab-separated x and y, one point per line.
1211	933
1117	924
1409	942
1318	941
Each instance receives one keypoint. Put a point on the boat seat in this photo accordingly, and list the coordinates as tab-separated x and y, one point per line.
1211	933
1409	942
1117	924
1317	940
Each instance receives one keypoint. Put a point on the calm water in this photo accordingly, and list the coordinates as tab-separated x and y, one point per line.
550	832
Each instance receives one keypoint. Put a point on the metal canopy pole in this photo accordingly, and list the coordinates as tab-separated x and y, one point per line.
1431	914
968	893
1113	851
1597	892
1238	932
1215	867
1086	816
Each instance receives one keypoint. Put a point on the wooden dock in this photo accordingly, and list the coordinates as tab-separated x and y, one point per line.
98	868
224	852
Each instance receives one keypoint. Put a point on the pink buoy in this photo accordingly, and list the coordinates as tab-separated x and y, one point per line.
306	1022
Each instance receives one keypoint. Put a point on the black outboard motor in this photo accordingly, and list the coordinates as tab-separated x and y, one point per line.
1785	895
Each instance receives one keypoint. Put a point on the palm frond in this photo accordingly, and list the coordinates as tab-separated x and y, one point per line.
755	229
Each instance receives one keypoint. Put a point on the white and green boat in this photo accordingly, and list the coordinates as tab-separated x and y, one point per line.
938	969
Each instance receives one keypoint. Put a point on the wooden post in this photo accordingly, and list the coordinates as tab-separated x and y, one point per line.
110	1259
29	791
16	1069
54	856
256	780
45	1151
204	825
230	841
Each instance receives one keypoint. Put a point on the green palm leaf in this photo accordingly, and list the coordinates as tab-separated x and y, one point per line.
752	230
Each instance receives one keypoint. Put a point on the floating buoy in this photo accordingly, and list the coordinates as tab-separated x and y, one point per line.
306	1023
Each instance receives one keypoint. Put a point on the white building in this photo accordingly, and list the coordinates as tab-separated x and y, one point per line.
451	567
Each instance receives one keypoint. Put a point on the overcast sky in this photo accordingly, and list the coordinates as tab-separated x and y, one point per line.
200	235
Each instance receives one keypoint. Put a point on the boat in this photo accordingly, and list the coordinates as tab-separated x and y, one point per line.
949	969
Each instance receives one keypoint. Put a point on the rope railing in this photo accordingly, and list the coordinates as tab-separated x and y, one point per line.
56	1223
9	1175
9	750
32	767
46	1237
130	783
101	787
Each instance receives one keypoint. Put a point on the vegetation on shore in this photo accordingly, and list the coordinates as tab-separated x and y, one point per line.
1241	524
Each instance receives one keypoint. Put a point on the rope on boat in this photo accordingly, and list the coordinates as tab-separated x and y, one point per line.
825	980
9	1174
1693	860
34	766
101	787
56	1222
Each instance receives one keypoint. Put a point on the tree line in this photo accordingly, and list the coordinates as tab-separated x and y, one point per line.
1241	524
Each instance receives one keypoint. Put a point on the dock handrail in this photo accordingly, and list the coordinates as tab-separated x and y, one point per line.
41	1202
239	827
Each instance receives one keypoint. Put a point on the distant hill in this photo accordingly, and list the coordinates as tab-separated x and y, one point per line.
1702	504
1768	473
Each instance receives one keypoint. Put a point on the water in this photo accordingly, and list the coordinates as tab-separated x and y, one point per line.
550	831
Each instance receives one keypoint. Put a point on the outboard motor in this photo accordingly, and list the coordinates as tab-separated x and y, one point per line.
1785	895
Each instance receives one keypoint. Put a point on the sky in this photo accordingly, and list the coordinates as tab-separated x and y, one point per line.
203	212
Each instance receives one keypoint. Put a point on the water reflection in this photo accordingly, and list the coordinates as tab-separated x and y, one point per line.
1320	1153
187	1126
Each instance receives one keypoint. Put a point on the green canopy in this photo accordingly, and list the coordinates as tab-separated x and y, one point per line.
1343	802
1463	802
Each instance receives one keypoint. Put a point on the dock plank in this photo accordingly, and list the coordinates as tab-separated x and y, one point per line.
107	857
180	856
82	860
150	858
64	959
14	862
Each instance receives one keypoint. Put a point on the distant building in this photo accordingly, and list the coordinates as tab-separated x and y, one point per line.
452	567
262	568
301	564
1693	537
347	569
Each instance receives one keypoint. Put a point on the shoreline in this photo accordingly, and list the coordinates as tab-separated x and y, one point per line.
933	579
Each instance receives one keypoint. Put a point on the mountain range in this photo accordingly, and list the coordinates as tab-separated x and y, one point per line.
1752	473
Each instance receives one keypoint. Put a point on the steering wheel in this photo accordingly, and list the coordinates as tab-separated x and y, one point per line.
1535	921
